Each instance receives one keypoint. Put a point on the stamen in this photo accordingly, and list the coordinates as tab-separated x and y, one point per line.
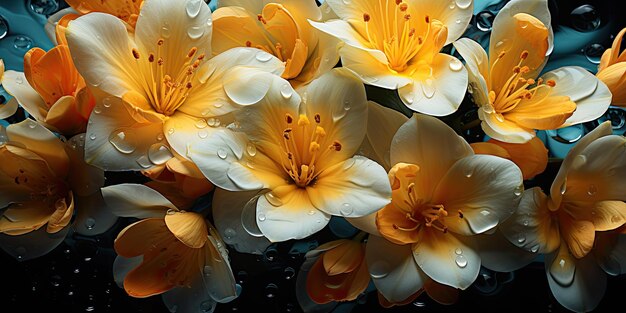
366	17
336	146
317	118
136	53
151	58
192	52
551	83
303	120
248	44
403	7
288	118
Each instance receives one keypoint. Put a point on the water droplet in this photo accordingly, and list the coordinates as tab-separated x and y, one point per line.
458	21
379	269
92	136
201	123
124	141
428	88
209	22
346	209
20	252
286	91
485	212
229	233
271	290
579	161
205	112
410	97
22	43
263	56
484	20
458	251
585	18
32	124
419	304
592	190
499	117
463	4
469	172
289	273
499	44
521	238
461	261
165	30
251	149
455	65
171	212
90	223
222	153
159	153
593	52
193	7
534	249
203	134
207	270
207	306
526	222
273	199
518	190
213	122
195	32
4	27
143	161
347	105
19	80
347	1
261	217
452	5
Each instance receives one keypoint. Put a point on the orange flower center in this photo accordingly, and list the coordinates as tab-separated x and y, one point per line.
429	215
302	147
167	90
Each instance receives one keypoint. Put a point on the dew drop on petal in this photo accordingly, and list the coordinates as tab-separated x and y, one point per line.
379	269
458	251
263	56
123	141
463	4
273	199
201	123
592	190
144	162
251	149
203	134
193	7
286	91
455	65
346	209
428	88
222	153
90	223
262	217
484	20
195	32
461	261
518	190
159	153
521	239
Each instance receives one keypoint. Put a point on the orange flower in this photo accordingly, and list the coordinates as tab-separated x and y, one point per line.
531	157
612	70
126	10
339	273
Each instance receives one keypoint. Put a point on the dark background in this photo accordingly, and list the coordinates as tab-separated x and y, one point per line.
77	277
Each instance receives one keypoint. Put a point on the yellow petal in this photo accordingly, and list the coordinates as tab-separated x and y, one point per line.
139	237
65	116
123	9
29	216
579	235
531	157
344	258
62	214
611	55
614	76
542	111
189	227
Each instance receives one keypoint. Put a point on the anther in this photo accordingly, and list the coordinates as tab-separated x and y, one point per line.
288	118
524	69
261	19
407	17
136	53
314	147
151	58
248	44
201	57
550	83
317	118
516	69
320	131
366	17
192	52
160	41
189	85
427	19
460	214
398	2
160	61
524	55
303	120
501	54
404	7
336	146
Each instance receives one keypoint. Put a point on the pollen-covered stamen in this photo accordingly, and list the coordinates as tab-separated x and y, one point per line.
167	91
392	30
516	88
420	213
302	146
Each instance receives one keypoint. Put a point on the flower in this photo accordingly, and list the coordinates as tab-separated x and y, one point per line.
443	196
158	87
300	151
43	181
51	89
339	272
578	226
125	10
396	44
9	108
531	156
281	28
512	102
168	250
612	70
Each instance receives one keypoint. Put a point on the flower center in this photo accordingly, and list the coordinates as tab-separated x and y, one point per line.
167	91
302	146
393	31
515	89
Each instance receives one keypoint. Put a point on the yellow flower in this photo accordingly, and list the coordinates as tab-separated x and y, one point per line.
513	101
126	10
338	272
158	88
42	182
175	249
396	44
281	28
531	157
51	89
574	225
300	151
612	70
443	197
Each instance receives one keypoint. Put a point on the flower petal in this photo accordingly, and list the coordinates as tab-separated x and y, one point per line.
477	64
345	32
432	145
454	18
136	200
83	178
220	281
382	125
531	157
497	253
478	202
353	188
188	227
93	217
227	210
442	93
393	269
613	77
233	26
591	95
532	227
9	108
586	289
504	130
610	252
102	53
295	218
15	84
365	223
33	244
578	235
121	267
370	69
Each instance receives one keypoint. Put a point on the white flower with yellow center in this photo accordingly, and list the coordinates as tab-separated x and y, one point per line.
300	152
395	44
158	88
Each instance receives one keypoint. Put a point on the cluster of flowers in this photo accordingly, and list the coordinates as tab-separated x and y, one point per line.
249	100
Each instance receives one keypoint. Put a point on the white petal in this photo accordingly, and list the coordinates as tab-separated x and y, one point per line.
33	244
504	130
344	31
440	94
591	95
454	18
370	69
353	188
477	64
93	216
382	125
432	145
121	267
9	108
220	281
537	8
295	218
227	210
188	130
135	200
446	259
498	254
365	223
15	84
247	86
83	178
485	188
102	53
393	269
610	252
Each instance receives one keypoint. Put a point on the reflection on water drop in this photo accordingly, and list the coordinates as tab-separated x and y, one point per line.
593	52
585	18
484	20
461	261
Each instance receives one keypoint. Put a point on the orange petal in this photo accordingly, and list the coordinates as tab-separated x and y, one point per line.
62	214
344	258
490	148
61	27
127	10
65	117
141	236
542	111
323	288
189	227
614	76
531	157
579	235
29	216
388	304
391	221
441	293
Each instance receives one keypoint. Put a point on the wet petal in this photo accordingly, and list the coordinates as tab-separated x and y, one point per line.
33	244
370	69
136	200
497	253
477	64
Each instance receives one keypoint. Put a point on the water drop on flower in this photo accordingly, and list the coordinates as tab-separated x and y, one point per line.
22	43
463	4
348	164
203	134
428	88
592	190
193	7
286	91
207	270
261	217
271	290
458	251
144	162
251	149
92	136
455	65
273	199
593	53
201	123
207	306
380	269
170	131
19	80
159	153
195	32
518	190
521	238
123	141
90	223
346	209
452	5
460	261
484	20
311	212
165	30
585	18
263	56
229	233
289	273
534	249
222	153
